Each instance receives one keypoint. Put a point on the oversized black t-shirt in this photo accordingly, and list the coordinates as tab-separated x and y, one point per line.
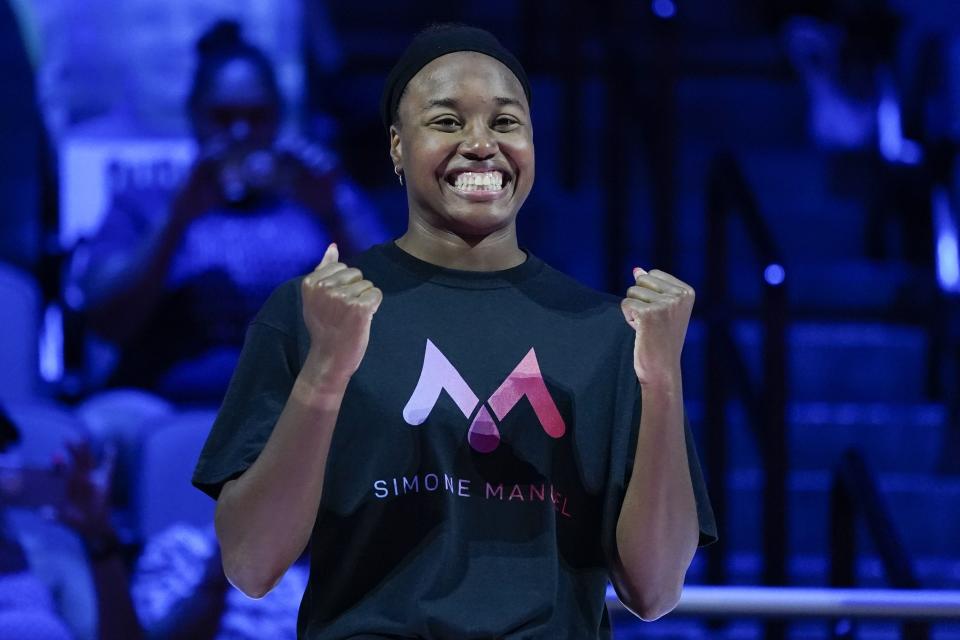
479	460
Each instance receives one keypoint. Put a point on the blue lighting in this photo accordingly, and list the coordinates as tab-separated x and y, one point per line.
774	274
51	344
893	146
948	248
664	9
888	127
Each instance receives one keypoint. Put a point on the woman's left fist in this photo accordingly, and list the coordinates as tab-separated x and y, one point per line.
658	307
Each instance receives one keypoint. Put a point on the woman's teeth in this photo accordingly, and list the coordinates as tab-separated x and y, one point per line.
486	181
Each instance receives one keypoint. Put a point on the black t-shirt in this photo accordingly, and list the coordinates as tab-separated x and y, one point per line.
479	460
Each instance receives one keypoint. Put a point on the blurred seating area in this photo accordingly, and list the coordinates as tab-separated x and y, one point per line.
122	114
842	117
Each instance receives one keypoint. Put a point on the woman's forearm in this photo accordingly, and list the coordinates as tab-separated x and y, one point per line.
264	518
657	531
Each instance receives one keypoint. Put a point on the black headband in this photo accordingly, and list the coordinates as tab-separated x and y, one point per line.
432	43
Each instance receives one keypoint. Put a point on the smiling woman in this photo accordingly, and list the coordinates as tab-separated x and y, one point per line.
562	482
462	137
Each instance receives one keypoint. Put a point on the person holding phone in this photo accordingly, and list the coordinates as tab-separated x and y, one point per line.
452	426
173	278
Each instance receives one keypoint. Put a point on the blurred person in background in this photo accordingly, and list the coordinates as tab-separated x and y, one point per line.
52	581
173	589
25	599
173	278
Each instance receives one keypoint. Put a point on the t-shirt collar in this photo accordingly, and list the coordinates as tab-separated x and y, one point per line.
460	278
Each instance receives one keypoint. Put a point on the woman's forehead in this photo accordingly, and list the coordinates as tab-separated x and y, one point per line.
464	75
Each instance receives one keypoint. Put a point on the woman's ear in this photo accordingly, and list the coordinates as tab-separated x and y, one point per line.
396	149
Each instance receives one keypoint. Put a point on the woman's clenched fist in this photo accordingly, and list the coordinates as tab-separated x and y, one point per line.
658	307
338	306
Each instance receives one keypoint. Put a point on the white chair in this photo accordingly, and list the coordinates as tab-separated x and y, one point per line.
115	414
118	417
169	452
20	303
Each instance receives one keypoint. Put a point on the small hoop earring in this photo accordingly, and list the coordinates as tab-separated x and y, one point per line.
399	173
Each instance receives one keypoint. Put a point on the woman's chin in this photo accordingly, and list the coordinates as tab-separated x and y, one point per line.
478	221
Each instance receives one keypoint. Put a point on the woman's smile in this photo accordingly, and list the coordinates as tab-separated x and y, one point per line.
479	185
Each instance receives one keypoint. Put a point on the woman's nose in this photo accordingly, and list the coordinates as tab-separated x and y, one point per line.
479	144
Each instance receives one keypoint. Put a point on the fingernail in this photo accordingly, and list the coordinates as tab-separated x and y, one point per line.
638	271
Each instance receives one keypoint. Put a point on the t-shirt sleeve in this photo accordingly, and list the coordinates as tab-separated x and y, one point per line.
623	449
258	391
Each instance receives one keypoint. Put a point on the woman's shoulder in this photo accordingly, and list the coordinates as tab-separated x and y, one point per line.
564	287
594	313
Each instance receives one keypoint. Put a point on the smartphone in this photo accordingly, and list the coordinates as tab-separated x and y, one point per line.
32	487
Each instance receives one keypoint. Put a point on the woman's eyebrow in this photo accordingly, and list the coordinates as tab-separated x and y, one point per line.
449	103
504	102
453	103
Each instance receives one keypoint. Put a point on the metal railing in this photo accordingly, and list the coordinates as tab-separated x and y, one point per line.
795	602
727	376
854	493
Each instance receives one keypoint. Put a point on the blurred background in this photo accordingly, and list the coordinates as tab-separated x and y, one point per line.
165	164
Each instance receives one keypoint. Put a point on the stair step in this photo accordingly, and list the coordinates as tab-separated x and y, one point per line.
905	438
821	237
807	221
837	286
829	285
745	568
918	504
853	362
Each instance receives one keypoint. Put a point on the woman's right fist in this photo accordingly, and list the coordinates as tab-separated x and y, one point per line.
338	306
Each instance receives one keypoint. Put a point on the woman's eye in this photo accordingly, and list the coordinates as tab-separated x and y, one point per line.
505	122
447	123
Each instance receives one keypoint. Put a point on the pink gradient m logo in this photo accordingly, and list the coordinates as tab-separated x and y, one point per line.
438	374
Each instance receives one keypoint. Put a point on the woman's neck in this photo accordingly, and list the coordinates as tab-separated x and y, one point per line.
494	252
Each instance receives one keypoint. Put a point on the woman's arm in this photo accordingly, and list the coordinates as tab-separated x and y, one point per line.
122	271
657	530
264	517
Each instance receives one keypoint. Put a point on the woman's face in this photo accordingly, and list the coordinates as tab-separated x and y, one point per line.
238	108
464	142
